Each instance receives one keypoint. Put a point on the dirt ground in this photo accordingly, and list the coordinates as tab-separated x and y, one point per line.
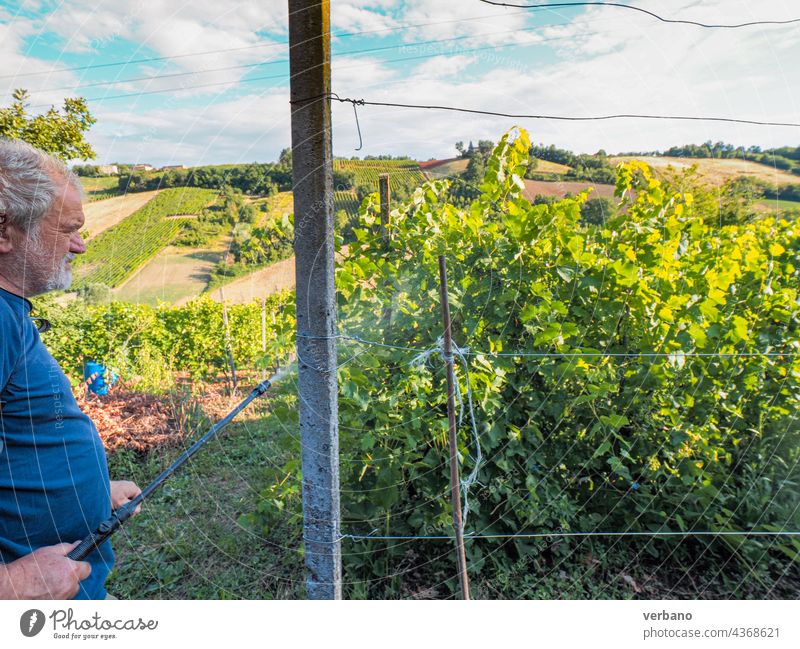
101	215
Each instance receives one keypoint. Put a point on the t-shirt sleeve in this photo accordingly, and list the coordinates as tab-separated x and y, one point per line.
10	343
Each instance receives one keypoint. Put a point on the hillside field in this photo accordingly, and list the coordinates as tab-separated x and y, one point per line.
561	188
104	214
716	171
100	188
444	168
121	250
176	275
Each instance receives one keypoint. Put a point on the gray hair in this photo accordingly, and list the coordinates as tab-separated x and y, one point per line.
29	183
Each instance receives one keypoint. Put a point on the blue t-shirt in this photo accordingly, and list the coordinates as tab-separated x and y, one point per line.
54	484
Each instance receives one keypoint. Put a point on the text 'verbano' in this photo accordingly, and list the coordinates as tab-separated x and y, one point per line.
664	615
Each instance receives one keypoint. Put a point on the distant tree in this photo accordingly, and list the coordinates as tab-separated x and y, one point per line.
61	134
485	148
285	158
597	211
95	294
460	148
475	170
86	170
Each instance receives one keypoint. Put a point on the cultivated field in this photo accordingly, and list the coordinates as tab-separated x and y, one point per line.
277	205
777	206
116	254
273	279
560	189
267	281
101	215
443	168
717	171
176	274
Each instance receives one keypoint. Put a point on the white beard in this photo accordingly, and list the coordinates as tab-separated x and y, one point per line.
44	278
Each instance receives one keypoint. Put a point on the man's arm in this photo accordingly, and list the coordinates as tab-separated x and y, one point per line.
46	573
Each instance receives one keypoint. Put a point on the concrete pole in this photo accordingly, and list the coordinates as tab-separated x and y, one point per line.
312	179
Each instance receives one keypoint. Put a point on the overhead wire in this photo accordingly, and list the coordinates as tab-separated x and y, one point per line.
288	77
242	48
619	5
569	118
368	50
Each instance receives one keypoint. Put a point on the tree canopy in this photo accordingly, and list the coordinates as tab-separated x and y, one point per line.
61	134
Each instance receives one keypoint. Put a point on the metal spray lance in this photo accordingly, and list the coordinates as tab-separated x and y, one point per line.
123	513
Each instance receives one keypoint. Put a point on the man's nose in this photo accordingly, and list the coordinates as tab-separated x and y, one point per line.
76	244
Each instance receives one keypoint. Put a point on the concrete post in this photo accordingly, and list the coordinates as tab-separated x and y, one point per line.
312	179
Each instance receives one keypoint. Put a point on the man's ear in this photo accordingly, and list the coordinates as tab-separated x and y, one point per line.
5	236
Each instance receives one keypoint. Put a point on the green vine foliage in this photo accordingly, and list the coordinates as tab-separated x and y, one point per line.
582	442
139	341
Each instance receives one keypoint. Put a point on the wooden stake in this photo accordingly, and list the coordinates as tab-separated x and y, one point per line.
386	205
228	345
264	332
455	482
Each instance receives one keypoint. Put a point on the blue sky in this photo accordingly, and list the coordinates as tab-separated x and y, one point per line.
231	104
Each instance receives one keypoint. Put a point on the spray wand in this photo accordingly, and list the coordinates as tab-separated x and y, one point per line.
123	513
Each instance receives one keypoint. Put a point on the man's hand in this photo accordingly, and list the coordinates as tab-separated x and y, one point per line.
123	491
46	573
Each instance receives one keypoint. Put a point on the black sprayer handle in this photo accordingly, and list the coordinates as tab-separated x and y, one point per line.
123	513
103	531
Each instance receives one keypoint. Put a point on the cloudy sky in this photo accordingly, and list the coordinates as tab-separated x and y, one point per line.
207	81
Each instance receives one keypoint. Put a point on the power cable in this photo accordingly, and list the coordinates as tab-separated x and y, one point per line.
558	5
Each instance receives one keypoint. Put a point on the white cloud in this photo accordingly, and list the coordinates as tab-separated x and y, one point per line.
361	16
604	61
441	67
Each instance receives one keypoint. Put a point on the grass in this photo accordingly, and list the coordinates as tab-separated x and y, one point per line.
547	167
779	205
188	542
277	205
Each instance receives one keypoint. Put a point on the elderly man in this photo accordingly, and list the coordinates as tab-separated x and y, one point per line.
54	483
